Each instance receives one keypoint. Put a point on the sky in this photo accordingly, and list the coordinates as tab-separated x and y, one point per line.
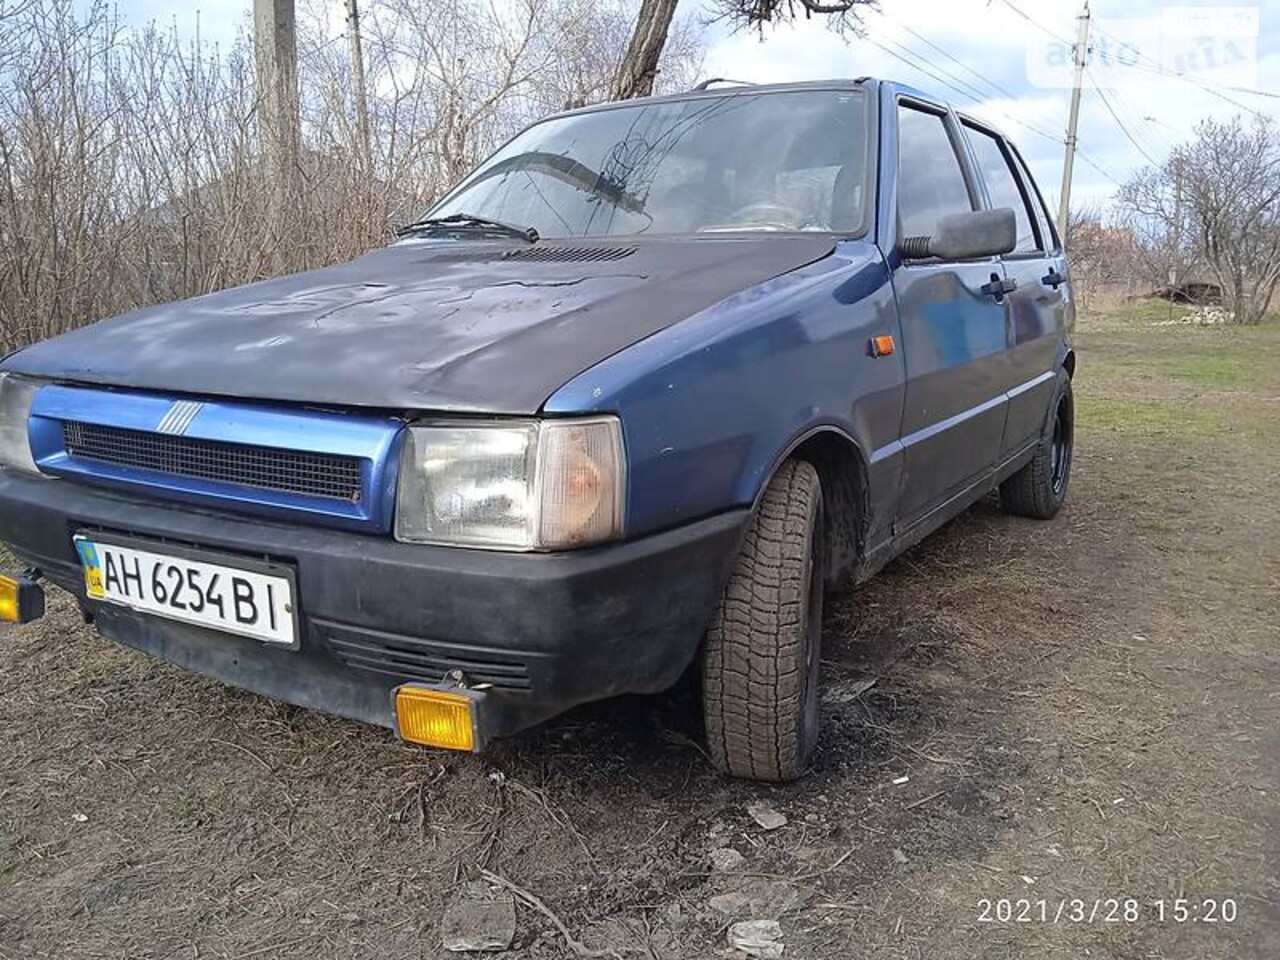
1155	69
1009	64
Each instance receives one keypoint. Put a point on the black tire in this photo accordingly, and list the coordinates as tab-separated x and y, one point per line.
760	667
1039	489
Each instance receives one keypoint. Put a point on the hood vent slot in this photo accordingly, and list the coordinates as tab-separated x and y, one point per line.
569	254
535	255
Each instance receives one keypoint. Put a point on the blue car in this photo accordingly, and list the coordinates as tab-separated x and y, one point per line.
622	405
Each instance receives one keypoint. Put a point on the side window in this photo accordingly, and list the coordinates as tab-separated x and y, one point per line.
930	181
1047	232
1003	185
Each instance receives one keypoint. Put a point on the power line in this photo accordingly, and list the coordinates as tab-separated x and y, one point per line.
966	90
1212	91
929	43
1160	138
953	82
1110	177
1039	131
1035	23
1154	66
1257	93
1116	117
971	92
969	95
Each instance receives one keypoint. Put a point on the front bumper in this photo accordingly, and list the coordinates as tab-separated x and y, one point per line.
544	632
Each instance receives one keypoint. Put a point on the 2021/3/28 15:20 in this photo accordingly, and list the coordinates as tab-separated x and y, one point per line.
1107	910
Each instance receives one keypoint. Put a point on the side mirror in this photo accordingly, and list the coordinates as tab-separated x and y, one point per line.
967	236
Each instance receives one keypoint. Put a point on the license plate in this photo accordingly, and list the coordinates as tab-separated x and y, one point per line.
242	597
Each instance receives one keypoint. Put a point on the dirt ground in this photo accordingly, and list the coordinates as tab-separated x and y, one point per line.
1082	709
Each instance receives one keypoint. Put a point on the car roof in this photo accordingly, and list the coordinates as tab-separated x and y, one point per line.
746	89
740	88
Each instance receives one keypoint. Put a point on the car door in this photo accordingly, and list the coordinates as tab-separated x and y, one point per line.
1035	307
953	323
1048	342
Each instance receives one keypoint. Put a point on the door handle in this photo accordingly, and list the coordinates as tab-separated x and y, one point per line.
998	287
1053	278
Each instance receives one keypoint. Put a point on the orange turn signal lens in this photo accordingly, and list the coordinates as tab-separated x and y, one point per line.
882	345
435	718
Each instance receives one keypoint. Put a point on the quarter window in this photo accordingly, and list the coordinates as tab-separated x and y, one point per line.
930	181
1002	185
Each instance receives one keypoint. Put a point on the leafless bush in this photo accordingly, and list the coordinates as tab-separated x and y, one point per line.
1108	259
1155	214
131	164
1216	201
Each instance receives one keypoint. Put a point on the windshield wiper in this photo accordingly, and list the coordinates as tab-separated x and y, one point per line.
469	221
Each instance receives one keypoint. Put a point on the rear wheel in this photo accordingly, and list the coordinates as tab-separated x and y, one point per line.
1040	488
760	668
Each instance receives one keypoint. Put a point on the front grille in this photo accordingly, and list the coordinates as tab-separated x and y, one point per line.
409	658
265	468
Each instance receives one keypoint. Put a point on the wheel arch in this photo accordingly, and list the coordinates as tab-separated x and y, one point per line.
842	471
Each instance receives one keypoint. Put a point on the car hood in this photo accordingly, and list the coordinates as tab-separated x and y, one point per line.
421	325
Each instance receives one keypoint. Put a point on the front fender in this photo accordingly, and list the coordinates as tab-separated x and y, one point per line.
709	405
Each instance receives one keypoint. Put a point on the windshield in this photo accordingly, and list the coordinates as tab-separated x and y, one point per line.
744	162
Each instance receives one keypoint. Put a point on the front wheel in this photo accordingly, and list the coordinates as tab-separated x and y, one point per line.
1039	489
760	667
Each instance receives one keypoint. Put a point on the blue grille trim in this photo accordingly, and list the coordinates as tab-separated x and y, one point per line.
373	441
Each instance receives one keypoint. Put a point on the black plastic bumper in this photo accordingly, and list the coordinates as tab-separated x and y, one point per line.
544	631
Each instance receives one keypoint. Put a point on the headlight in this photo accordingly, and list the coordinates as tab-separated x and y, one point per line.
16	396
524	485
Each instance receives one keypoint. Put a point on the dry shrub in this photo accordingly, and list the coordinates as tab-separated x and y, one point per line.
131	161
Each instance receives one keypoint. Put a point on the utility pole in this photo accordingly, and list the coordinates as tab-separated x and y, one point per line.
276	52
361	95
1068	161
1176	259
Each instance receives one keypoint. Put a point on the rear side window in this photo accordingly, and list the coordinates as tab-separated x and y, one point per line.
930	181
1003	185
1048	237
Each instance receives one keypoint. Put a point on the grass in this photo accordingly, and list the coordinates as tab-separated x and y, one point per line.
1217	370
1152	419
1176	383
1149	311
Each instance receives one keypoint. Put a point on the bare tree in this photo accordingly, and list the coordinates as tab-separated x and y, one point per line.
842	14
1216	198
639	68
1105	255
1153	208
597	41
131	160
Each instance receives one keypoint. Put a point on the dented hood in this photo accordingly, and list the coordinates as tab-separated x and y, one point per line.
462	326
